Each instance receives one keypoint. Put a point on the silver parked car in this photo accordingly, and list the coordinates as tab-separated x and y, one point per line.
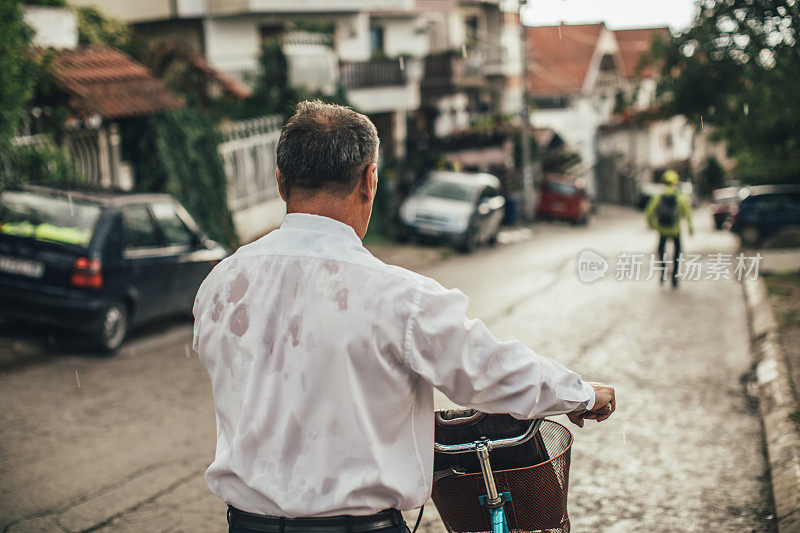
459	208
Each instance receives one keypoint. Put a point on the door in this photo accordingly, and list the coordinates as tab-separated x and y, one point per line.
148	262
191	261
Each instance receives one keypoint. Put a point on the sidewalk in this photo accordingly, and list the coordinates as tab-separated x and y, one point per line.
777	355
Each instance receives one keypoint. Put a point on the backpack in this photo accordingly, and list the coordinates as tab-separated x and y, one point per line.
667	211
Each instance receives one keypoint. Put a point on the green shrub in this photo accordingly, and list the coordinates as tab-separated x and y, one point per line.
42	165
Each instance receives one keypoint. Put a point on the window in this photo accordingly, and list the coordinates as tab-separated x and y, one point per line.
471	24
376	40
563	189
175	231
607	63
48	218
140	229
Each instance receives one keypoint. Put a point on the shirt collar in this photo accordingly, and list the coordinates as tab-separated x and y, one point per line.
309	222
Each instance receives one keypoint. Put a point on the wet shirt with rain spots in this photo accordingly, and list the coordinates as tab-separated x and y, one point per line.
323	362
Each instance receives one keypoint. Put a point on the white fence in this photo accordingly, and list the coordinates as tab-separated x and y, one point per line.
248	152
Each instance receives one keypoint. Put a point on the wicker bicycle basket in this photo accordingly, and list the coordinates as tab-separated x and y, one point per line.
535	473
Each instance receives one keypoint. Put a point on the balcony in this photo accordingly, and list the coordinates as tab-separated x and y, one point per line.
369	74
443	75
484	60
237	7
382	85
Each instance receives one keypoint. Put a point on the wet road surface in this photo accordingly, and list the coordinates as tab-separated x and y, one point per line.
120	444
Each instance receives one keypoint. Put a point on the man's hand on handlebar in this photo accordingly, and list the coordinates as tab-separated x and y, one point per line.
604	404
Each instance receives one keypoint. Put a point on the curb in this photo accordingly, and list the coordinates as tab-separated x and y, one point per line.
776	403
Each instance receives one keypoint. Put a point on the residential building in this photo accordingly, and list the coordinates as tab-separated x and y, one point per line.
103	86
635	146
574	75
591	85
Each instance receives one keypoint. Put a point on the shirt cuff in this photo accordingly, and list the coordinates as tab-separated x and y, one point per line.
590	391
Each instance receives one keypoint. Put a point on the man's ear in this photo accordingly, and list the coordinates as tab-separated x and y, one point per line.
369	182
280	185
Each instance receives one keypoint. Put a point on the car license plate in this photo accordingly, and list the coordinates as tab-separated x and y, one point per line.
429	231
23	267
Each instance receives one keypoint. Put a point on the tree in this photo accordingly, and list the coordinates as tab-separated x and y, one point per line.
16	68
712	176
96	28
736	69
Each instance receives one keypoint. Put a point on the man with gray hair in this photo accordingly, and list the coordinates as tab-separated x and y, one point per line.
323	359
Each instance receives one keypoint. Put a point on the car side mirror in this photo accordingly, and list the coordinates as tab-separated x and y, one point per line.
201	241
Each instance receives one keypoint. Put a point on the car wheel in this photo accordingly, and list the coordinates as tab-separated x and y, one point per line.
470	240
493	238
112	328
750	235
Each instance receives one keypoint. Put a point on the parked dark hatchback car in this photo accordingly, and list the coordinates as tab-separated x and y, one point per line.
98	262
766	210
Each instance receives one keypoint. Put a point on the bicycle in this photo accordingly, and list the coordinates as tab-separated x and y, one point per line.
552	515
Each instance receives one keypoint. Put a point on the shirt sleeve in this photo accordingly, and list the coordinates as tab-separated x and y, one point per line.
462	358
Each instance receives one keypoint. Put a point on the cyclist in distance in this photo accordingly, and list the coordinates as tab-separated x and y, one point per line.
664	213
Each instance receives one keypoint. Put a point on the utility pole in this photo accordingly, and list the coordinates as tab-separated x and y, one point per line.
528	192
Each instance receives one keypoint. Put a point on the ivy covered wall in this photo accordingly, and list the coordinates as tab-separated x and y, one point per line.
176	153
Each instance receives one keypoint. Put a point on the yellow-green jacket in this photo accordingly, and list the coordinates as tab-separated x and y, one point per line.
684	211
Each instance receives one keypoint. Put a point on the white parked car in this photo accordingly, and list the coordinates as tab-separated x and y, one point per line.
459	208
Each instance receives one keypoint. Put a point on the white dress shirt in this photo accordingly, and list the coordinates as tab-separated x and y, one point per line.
323	361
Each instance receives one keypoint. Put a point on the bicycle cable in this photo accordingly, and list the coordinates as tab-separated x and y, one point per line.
419	518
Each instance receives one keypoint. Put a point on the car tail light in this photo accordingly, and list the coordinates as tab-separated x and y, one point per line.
87	273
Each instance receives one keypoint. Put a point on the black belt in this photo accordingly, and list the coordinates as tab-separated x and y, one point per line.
333	524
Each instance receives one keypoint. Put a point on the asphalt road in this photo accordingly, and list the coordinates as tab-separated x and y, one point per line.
120	444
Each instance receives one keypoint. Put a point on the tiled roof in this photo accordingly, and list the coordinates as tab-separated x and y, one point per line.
105	81
633	44
559	57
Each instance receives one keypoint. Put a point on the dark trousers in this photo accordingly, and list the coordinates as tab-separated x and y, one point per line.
394	529
390	521
662	245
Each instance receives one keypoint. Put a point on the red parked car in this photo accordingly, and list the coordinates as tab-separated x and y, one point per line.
564	198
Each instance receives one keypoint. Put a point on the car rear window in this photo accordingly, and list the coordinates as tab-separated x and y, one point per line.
48	218
447	189
562	188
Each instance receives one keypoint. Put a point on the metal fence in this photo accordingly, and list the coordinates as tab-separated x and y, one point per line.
247	149
84	149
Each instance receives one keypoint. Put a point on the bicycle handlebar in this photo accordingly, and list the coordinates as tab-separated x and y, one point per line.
490	444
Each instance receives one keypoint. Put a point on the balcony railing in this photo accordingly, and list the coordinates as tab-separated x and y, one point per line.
374	73
443	73
484	60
